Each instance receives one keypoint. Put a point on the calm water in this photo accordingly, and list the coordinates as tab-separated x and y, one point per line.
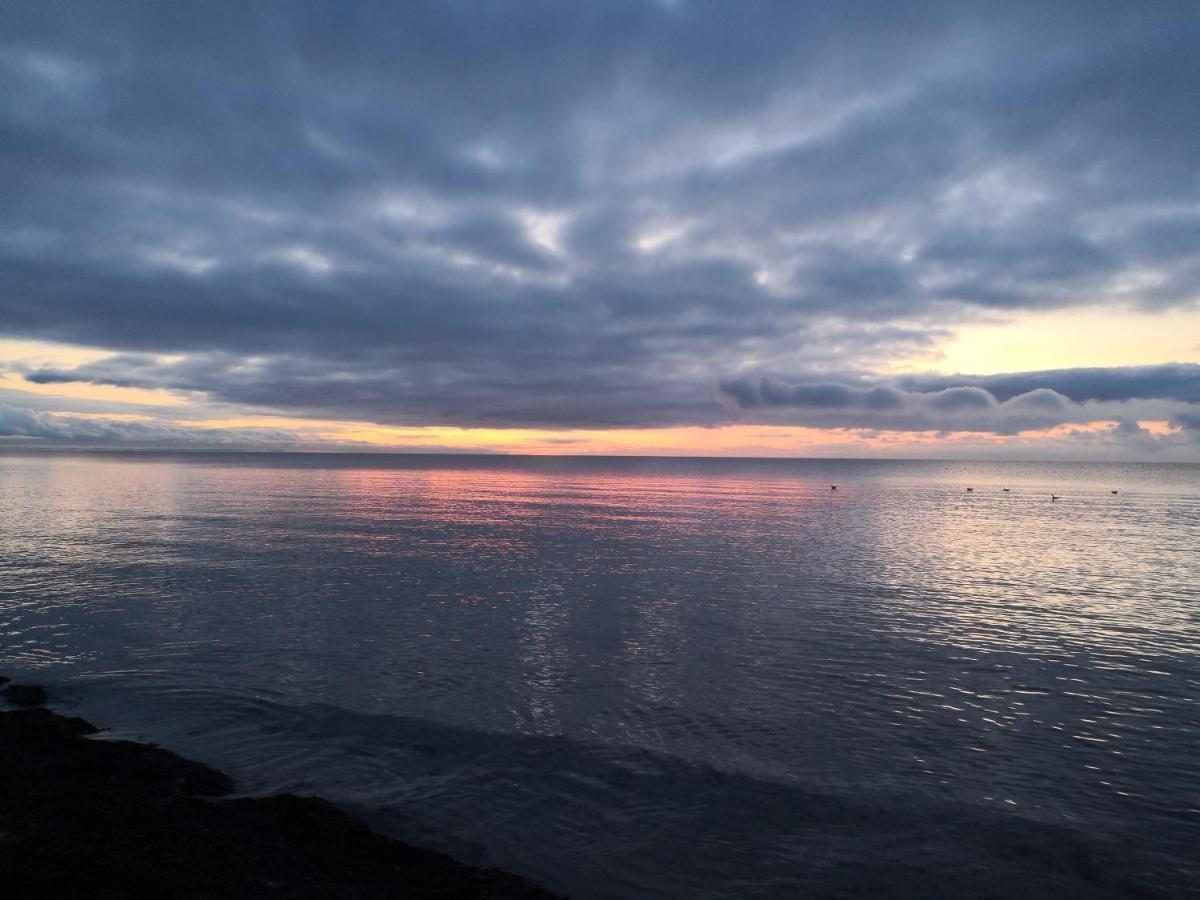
648	677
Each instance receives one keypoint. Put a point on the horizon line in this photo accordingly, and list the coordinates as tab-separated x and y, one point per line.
488	454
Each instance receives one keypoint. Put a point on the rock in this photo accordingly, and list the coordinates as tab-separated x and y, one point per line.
101	819
25	695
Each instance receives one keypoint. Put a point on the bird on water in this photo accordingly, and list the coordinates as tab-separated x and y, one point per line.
1053	497
833	487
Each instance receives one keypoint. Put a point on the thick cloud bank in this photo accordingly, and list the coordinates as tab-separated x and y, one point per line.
594	215
997	404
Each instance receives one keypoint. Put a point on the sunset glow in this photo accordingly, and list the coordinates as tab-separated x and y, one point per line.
820	241
647	448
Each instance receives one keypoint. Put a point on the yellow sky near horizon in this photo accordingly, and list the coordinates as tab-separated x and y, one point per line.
35	354
726	440
1072	338
1024	341
735	440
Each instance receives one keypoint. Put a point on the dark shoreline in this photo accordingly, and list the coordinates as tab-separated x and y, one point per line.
81	817
102	818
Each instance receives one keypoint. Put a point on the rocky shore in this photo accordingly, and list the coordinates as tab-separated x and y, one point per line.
105	818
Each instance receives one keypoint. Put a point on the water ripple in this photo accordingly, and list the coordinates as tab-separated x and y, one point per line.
612	663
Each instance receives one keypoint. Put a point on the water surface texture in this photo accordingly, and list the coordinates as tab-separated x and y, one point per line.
644	677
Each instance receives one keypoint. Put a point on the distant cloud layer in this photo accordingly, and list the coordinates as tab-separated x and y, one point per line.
627	214
999	404
41	428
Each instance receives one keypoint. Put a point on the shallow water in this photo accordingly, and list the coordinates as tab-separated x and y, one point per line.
643	677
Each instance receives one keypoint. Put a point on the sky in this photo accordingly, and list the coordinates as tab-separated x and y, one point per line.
698	228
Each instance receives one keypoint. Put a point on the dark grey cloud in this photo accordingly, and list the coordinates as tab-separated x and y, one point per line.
996	404
1177	381
371	387
566	215
22	426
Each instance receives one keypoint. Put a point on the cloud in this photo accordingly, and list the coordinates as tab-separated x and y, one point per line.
35	427
997	404
573	215
1174	381
1189	423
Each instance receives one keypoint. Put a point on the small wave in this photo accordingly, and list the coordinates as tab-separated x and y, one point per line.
600	820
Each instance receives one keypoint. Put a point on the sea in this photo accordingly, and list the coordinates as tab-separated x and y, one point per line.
641	677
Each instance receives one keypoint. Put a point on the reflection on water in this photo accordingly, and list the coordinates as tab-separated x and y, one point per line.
316	621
